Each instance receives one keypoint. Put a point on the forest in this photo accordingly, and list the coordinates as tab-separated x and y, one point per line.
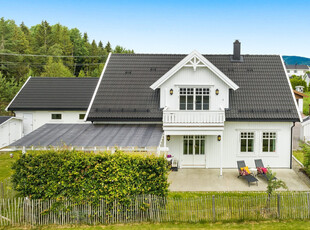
47	51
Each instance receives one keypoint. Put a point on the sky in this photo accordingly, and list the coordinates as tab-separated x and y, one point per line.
210	27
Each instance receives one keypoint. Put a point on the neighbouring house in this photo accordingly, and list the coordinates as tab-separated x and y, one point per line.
10	130
44	100
298	70
306	77
299	96
207	111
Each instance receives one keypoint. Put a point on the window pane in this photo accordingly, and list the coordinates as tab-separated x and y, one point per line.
81	116
182	102
56	116
185	143
190	102
272	145
197	147
265	145
202	147
190	145
205	102
250	145
243	145
198	102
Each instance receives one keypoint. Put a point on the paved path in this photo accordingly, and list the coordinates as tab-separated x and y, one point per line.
209	180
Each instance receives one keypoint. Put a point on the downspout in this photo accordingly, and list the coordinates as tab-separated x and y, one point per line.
291	158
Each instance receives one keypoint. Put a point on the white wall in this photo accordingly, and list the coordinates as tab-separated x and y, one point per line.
201	78
42	117
299	72
10	131
231	145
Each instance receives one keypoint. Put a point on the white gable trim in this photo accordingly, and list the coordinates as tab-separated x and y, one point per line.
6	109
291	88
203	62
97	87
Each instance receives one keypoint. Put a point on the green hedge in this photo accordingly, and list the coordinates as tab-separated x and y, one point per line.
81	176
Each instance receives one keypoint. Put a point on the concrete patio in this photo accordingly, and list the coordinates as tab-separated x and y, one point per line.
209	180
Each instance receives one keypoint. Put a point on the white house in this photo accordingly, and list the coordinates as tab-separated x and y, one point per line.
298	70
44	100
306	77
10	130
208	111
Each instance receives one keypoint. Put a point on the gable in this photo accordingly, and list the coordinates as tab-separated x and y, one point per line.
194	60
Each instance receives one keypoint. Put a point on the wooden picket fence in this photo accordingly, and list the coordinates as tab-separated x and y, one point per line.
23	211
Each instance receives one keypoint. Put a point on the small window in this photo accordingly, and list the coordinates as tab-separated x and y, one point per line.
269	141
247	142
82	116
56	116
295	71
193	145
288	71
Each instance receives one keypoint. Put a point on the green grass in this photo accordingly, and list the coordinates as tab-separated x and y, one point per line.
306	103
6	164
299	155
263	225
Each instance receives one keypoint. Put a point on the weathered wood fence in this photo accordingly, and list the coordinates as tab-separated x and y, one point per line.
22	211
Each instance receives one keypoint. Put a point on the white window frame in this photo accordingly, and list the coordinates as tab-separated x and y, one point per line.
247	138
205	91
194	138
56	119
269	138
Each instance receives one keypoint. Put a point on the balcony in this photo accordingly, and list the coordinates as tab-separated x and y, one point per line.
193	118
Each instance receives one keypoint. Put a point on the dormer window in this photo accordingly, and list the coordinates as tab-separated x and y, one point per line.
194	98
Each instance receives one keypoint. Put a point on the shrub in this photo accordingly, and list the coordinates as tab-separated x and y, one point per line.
298	81
81	176
306	151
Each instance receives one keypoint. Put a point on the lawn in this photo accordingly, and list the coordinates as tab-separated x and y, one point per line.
264	225
5	165
306	103
299	155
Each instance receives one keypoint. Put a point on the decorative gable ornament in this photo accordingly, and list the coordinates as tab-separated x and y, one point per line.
194	60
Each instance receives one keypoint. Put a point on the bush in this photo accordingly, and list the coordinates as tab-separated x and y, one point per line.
306	162
81	176
298	81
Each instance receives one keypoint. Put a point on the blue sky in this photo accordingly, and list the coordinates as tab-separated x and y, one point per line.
263	27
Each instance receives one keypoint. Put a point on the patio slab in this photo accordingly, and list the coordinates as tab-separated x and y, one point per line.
195	180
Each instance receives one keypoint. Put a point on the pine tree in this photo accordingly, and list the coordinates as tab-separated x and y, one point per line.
56	69
108	47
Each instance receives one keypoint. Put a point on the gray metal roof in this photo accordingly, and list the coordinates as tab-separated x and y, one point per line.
124	92
296	67
57	93
4	118
89	135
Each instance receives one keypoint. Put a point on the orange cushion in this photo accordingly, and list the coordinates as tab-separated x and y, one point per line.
246	168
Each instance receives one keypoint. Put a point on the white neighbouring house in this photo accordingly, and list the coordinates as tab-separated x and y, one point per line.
207	111
298	70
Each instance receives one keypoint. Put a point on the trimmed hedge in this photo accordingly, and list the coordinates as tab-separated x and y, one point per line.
81	176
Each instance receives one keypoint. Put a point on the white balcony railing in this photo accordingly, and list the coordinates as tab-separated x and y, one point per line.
193	117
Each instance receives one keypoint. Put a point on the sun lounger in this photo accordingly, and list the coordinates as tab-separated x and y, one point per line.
249	178
259	164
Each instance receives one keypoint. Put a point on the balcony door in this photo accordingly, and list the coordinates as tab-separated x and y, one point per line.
194	152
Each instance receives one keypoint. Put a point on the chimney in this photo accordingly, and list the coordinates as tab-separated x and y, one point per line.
237	52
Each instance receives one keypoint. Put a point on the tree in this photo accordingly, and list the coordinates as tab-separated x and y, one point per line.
82	74
120	49
108	47
56	69
298	81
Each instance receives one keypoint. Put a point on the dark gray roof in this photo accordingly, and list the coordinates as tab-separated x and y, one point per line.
89	135
125	94
297	67
57	93
4	118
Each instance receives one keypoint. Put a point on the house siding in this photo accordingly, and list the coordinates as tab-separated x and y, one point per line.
10	131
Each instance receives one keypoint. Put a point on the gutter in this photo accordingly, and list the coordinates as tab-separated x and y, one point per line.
291	154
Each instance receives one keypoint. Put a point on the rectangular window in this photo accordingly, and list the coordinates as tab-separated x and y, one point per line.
193	145
81	116
269	141
288	71
247	142
56	116
194	98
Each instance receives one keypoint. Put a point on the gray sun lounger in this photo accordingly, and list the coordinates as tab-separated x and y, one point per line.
249	178
259	163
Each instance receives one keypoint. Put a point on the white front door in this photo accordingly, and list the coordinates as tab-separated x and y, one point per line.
27	123
194	152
